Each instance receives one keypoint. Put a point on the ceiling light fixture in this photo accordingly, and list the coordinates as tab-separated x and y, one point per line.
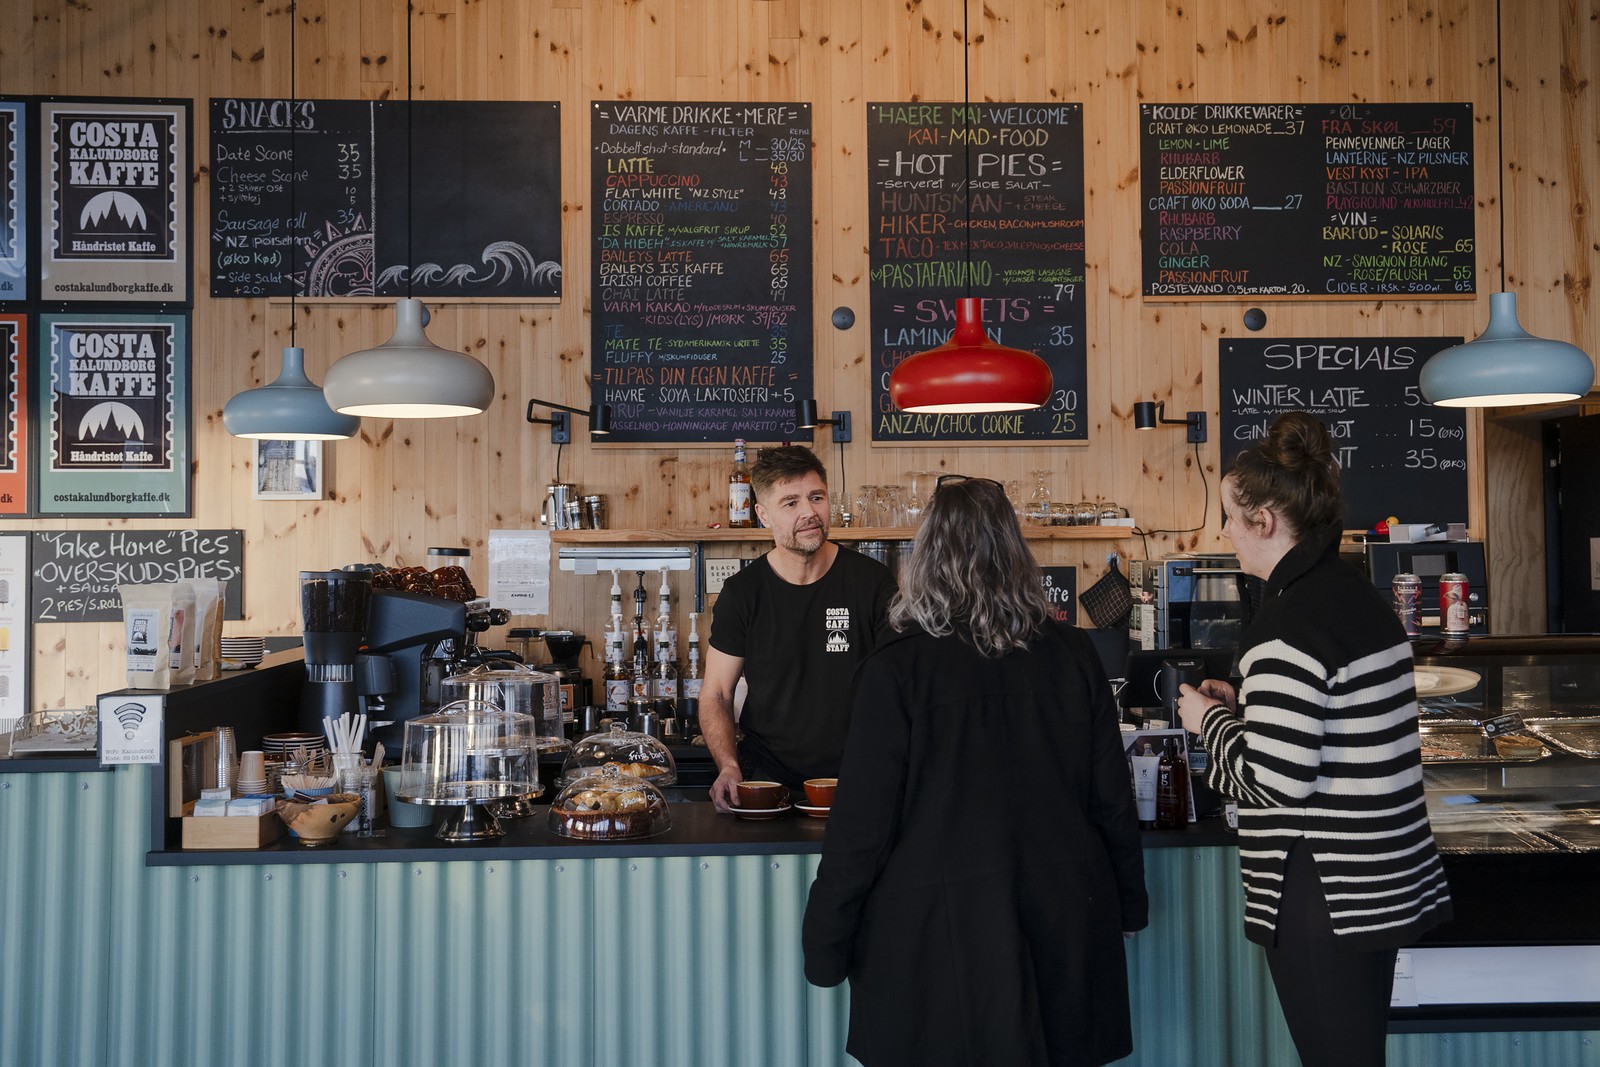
408	376
291	407
970	372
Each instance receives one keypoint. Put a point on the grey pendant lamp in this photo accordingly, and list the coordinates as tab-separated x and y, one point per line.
408	376
1505	365
291	407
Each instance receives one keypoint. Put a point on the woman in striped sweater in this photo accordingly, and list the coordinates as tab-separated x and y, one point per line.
1320	748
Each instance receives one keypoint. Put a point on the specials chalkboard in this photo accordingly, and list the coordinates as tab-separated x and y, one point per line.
1398	455
359	198
1296	200
977	200
75	573
701	272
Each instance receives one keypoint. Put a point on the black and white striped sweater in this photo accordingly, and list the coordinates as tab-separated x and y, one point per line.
1326	750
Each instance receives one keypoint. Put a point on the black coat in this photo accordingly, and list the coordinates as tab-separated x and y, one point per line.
982	859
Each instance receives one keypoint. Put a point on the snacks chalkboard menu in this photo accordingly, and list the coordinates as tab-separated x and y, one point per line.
981	200
701	269
1398	455
476	200
1296	200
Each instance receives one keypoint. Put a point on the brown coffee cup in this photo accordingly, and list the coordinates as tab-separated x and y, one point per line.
761	796
819	791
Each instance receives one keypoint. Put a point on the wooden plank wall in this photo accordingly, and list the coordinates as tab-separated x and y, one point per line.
402	486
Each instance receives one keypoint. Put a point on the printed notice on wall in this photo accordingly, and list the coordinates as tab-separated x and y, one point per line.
113	403
115	180
519	571
130	729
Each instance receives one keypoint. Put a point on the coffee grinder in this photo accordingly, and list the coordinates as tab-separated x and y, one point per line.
333	619
565	646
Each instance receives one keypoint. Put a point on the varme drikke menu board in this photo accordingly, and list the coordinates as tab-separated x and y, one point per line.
1307	200
701	269
983	200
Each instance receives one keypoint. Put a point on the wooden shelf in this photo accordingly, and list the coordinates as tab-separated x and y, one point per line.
849	534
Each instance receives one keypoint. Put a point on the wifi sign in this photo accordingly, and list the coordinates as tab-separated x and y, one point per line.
131	717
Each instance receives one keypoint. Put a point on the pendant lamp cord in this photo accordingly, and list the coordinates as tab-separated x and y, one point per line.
294	176
410	259
966	121
1500	127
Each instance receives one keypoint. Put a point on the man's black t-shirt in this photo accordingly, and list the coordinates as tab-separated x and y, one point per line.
800	645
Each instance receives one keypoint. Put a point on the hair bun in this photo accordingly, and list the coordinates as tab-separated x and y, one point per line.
1298	441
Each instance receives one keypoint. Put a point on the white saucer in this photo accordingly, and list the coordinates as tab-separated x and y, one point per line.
760	813
1444	681
814	812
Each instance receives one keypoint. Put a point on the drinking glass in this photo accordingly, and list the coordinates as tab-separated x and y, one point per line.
1014	494
1087	514
1038	513
893	507
867	505
917	501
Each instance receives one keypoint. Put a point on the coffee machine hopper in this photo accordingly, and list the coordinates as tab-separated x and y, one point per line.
420	634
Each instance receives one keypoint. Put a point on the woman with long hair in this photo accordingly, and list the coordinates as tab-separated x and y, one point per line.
982	861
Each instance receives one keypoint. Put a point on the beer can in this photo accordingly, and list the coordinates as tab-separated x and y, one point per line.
1454	620
1408	602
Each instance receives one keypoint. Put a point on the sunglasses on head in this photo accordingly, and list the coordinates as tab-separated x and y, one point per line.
947	479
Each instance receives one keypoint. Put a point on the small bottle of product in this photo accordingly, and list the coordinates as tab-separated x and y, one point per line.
1145	762
641	682
617	680
1172	788
741	514
666	669
691	679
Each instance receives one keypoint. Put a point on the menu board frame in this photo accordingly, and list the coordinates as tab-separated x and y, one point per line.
15	165
683	190
117	200
151	417
1276	201
1369	385
470	190
1017	170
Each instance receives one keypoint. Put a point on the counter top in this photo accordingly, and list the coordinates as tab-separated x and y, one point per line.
697	830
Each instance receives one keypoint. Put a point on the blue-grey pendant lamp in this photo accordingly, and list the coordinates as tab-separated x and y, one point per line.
291	407
408	376
1506	365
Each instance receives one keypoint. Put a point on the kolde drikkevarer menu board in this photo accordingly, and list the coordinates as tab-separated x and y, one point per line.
1296	200
468	191
1398	455
701	269
1016	171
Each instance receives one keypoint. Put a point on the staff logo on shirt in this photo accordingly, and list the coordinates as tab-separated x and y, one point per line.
838	620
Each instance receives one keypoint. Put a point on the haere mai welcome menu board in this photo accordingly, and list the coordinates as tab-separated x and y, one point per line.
701	326
452	198
1398	455
1297	200
1016	170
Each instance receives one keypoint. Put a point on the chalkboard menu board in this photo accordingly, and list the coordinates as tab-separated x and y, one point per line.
75	573
701	269
1016	172
478	200
1398	455
1295	200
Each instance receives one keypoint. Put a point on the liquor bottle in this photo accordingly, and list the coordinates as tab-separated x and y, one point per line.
691	680
741	515
618	684
1172	788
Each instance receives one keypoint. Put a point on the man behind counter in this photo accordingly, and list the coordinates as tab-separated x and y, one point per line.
795	623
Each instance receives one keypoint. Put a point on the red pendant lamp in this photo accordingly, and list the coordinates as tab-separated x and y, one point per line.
970	372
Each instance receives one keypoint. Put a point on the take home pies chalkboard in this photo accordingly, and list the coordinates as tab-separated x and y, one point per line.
1297	200
75	573
474	203
1398	455
1016	172
701	269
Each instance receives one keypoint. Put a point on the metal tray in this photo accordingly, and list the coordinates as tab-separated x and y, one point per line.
1474	831
1576	736
1578	830
1465	742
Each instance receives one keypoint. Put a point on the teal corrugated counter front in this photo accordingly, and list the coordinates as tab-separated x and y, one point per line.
601	960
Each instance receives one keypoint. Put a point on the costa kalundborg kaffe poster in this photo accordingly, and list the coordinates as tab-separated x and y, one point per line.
113	414
14	421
